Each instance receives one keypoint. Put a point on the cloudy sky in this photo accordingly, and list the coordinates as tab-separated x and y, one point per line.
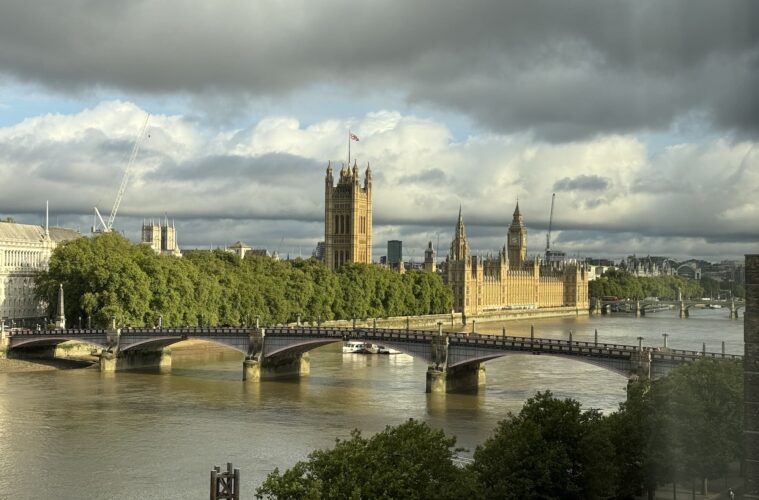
641	116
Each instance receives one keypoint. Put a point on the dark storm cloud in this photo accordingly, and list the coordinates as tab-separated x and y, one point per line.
564	70
273	169
433	176
582	183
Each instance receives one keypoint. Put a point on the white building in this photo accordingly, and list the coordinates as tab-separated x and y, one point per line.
239	248
24	250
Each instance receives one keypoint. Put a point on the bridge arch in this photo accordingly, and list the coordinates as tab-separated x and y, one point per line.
300	347
21	343
606	364
158	343
306	345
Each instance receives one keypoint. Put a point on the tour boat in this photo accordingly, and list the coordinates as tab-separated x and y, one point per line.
354	347
387	350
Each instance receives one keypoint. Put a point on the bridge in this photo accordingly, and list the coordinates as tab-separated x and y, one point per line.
640	307
455	360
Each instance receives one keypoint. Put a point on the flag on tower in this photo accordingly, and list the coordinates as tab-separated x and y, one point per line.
354	137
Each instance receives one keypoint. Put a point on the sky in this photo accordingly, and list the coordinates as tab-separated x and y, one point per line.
642	116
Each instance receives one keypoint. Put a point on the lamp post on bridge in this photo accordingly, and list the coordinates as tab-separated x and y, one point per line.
665	335
640	356
570	340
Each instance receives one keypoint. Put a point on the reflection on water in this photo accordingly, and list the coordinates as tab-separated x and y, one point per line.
156	435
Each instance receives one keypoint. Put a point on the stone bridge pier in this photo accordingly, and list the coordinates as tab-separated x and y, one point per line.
113	358
683	310
443	378
287	363
733	310
4	340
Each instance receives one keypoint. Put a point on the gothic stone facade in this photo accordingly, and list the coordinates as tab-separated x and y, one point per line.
161	238
24	250
510	280
347	217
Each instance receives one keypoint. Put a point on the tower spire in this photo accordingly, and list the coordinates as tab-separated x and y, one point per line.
459	245
460	225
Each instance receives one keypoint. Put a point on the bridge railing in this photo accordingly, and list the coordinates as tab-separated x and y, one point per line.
60	333
539	345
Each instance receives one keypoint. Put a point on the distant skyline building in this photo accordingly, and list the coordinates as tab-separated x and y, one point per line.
394	252
318	253
347	217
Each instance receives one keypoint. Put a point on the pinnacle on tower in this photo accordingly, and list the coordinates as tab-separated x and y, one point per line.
460	225
517	216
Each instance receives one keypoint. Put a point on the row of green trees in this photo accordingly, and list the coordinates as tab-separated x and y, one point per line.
107	277
622	284
684	427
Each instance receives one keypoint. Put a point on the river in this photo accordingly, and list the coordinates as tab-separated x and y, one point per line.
82	434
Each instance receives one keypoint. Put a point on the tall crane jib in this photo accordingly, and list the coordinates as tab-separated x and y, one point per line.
107	227
550	224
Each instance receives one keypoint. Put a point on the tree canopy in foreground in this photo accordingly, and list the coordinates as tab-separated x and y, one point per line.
685	427
410	461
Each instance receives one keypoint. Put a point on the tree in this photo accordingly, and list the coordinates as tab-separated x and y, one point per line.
702	407
684	426
551	449
619	283
409	461
105	276
101	278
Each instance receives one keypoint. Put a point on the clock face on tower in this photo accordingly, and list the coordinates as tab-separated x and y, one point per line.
514	239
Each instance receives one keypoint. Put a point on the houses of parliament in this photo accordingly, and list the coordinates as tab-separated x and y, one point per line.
480	285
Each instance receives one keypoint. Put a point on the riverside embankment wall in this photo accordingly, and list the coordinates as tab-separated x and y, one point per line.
453	320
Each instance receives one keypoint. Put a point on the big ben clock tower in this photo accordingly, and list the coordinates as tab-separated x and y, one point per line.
517	240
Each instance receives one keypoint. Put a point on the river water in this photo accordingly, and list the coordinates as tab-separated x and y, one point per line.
82	434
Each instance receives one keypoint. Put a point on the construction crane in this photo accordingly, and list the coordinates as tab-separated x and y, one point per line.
550	223
108	227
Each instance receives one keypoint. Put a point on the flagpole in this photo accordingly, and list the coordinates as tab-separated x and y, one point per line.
349	148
